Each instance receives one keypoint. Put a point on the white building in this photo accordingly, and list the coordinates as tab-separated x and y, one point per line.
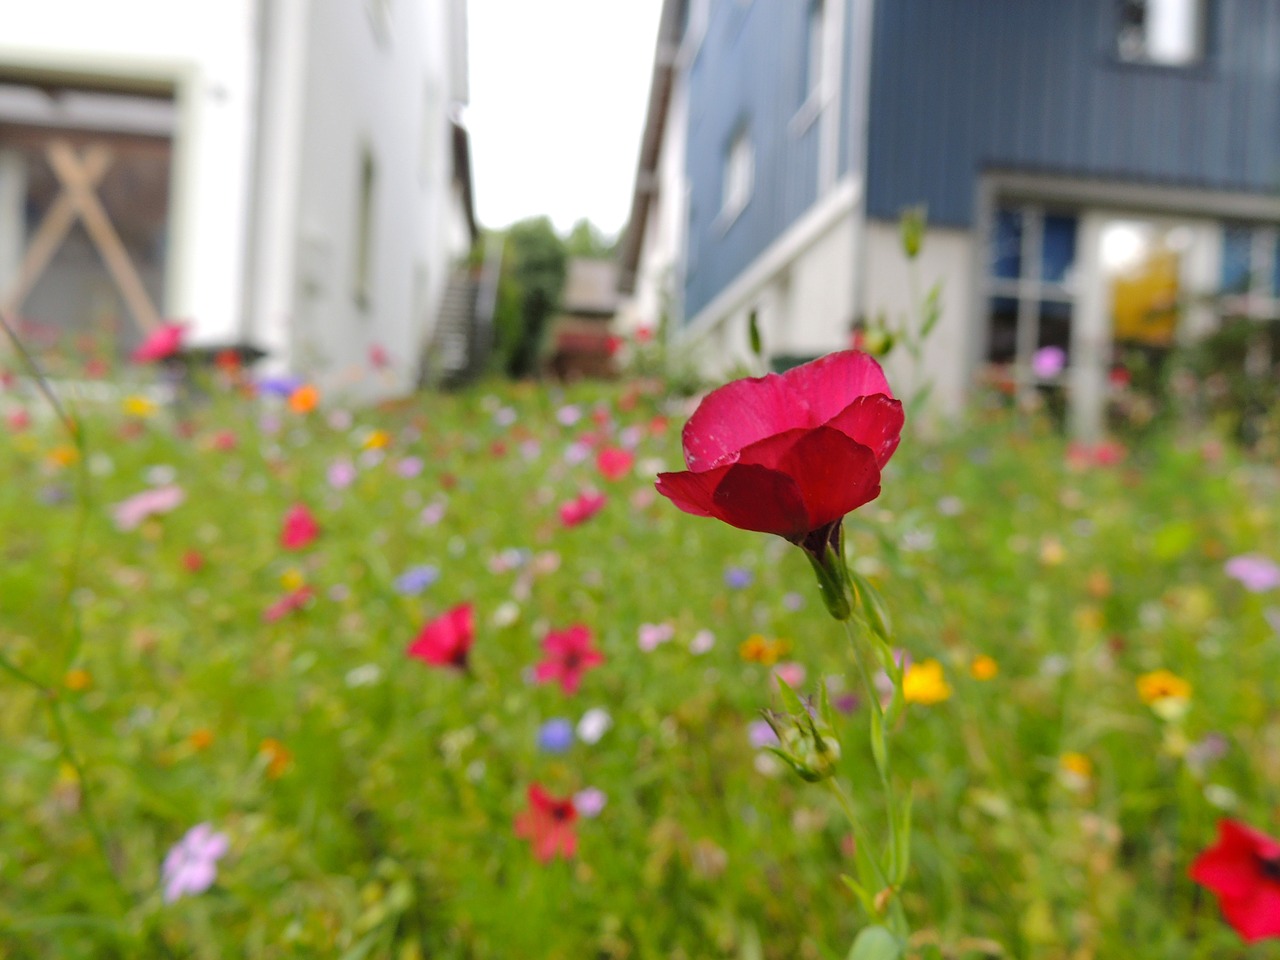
288	174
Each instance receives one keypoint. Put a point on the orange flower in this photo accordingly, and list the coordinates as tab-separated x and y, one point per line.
201	739
983	667
279	757
759	649
78	680
304	399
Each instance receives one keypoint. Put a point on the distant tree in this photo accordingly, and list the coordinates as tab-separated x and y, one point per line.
528	294
586	240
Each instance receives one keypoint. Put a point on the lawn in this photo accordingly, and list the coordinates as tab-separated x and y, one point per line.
233	650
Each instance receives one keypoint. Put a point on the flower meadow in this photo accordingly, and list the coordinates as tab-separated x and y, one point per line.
450	678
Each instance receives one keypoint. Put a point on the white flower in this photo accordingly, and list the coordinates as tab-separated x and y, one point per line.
594	724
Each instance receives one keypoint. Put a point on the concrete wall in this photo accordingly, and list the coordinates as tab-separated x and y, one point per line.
207	51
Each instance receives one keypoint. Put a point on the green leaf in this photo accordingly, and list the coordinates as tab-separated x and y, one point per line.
866	899
932	310
875	943
902	841
790	701
872	605
753	334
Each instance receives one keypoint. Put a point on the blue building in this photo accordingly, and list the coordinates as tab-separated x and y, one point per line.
1091	169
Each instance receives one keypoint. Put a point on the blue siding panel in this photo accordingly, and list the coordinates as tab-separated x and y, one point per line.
748	70
962	86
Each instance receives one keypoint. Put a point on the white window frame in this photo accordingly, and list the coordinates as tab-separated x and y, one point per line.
1172	33
738	176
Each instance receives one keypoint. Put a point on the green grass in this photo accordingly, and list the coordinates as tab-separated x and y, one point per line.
390	832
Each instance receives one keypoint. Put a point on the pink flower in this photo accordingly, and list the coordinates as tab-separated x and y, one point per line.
130	513
652	635
300	528
1257	573
614	463
291	601
191	865
161	344
581	509
446	641
568	654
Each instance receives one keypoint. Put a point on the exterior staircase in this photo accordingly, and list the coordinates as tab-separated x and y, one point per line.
457	352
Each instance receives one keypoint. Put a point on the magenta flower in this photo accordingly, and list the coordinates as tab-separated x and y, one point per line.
569	654
300	528
161	344
582	508
1048	362
1255	572
191	865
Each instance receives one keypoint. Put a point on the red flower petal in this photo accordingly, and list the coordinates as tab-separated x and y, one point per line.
831	383
834	475
1257	915
875	422
691	492
737	414
754	497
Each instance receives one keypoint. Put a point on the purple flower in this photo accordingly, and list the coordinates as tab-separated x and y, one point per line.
191	865
341	474
737	578
409	467
589	802
556	736
416	579
1254	571
1048	362
761	734
278	386
793	601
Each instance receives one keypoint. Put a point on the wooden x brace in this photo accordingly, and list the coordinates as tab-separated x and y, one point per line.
80	177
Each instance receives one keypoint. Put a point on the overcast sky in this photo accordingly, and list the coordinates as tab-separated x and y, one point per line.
558	96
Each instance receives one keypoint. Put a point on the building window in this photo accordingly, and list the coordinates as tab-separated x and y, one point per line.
363	274
1250	274
1031	295
1167	33
739	175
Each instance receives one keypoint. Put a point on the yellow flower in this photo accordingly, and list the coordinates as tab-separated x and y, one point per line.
292	579
759	649
925	683
1075	771
983	667
377	440
278	757
201	739
1162	685
138	406
77	680
304	399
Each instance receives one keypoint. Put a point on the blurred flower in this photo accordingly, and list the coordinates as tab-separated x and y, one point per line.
77	680
547	823
1048	362
925	683
702	642
595	723
160	344
1165	692
191	865
295	599
1075	770
760	734
279	757
130	513
568	415
1243	869
556	735
192	561
759	649
63	456
304	399
18	420
614	463
416	579
409	466
1052	552
300	528
737	578
652	635
378	357
200	739
1255	572
568	654
365	675
583	508
1205	752
138	406
589	802
341	474
376	440
983	667
446	641
790	673
292	579
432	514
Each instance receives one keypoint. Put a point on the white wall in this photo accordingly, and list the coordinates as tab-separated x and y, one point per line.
207	50
385	85
946	256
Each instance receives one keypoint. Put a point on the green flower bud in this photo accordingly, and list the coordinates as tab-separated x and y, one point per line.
807	740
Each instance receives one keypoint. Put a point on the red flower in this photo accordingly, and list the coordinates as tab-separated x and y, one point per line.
193	561
548	824
163	342
569	655
1243	869
789	454
446	640
581	509
300	528
291	601
614	463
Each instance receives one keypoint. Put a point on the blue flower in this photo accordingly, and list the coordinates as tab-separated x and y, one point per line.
737	577
416	579
556	736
